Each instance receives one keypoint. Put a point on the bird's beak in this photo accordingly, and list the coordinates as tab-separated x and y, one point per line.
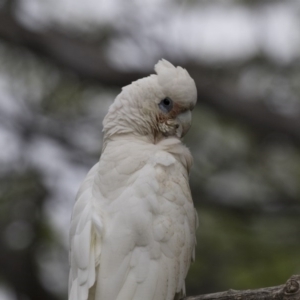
184	120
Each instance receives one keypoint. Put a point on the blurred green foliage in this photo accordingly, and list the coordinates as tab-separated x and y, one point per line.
245	181
244	251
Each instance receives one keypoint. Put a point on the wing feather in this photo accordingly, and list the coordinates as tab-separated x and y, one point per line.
85	241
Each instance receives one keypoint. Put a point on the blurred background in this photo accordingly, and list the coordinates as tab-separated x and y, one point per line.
62	63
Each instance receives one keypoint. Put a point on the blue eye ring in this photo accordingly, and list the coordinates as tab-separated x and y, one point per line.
166	105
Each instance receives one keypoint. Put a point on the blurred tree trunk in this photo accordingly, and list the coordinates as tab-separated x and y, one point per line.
18	264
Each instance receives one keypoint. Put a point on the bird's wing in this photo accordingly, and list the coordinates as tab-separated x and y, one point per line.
85	240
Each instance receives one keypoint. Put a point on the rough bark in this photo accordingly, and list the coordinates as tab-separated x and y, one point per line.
288	291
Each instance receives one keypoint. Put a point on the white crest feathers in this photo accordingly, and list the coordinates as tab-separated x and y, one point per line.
176	82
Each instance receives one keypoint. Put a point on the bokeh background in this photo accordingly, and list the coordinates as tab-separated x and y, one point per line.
61	65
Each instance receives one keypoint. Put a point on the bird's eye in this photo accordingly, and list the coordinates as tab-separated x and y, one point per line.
166	105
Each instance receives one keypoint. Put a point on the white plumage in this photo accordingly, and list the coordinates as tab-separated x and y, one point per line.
133	226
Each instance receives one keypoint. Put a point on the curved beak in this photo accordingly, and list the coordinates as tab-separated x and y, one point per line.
184	120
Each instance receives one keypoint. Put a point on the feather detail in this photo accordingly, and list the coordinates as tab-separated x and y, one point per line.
85	241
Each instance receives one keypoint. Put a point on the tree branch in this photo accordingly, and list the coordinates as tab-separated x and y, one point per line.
89	62
84	59
288	291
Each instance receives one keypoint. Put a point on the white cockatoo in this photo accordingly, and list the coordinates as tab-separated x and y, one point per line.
133	226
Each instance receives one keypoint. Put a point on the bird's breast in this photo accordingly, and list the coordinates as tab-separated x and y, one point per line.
145	191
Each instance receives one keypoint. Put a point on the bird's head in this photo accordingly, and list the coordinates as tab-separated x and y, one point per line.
157	106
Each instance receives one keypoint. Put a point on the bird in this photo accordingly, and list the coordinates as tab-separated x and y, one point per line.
133	225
